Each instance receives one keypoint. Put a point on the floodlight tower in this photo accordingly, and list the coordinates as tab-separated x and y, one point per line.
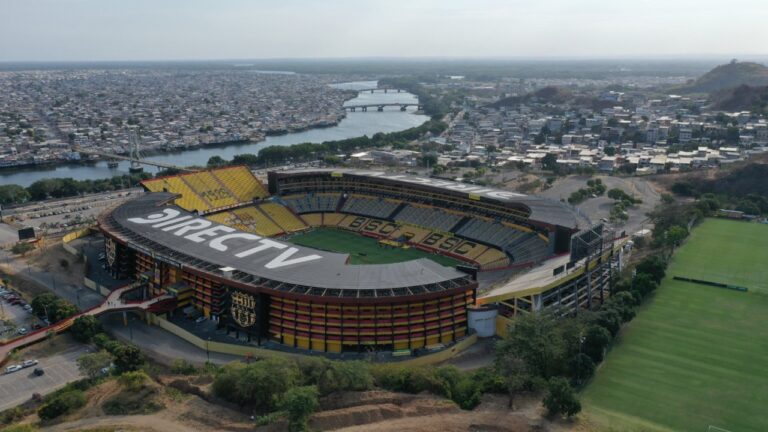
135	153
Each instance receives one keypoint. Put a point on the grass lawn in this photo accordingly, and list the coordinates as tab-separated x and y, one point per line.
695	355
363	250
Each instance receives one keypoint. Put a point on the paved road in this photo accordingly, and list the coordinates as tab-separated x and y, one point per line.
160	344
60	369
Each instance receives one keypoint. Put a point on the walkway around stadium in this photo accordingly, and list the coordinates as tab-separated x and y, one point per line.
112	303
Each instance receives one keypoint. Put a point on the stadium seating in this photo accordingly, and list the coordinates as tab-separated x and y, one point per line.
352	222
332	219
283	217
312	203
189	200
428	217
469	250
241	182
492	258
370	206
209	189
249	219
531	249
410	233
313	219
204	191
491	233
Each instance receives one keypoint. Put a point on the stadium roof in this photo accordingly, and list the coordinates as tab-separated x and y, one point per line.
542	210
172	234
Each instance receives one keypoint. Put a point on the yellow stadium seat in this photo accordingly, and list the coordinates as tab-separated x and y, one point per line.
241	182
256	221
283	217
313	219
492	256
332	219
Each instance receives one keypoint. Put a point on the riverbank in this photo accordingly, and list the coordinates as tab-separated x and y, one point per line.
349	125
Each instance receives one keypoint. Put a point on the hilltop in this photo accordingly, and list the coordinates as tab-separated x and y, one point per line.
728	76
741	98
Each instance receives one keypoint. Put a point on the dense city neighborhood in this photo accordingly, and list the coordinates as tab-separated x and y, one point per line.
46	115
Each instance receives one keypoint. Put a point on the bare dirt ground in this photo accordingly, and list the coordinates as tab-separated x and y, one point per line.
600	207
54	259
372	411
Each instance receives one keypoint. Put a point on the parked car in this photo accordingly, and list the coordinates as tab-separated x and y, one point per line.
28	363
12	368
39	371
22	331
200	319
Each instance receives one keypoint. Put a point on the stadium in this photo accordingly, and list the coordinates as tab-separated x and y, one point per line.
350	261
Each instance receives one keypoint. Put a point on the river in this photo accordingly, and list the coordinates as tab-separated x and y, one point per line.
354	125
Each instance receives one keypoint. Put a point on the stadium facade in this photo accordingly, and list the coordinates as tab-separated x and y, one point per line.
220	243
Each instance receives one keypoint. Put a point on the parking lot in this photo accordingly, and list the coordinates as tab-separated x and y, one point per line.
60	369
13	317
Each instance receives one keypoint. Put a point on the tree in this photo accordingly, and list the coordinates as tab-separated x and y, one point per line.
22	248
85	327
13	194
134	380
127	358
299	403
44	305
654	266
609	319
596	339
549	162
516	374
428	160
216	161
92	365
609	151
561	399
644	283
258	384
675	235
63	310
62	404
748	207
582	368
538	340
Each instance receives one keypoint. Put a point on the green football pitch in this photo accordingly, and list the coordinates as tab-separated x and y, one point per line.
363	250
695	356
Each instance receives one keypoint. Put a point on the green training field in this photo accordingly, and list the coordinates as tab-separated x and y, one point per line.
363	250
695	355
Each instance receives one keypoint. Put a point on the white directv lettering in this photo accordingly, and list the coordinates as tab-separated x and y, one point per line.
265	244
167	214
190	225
200	230
282	259
504	195
172	221
200	236
218	243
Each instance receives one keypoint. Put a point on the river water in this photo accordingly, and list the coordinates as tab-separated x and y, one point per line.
354	125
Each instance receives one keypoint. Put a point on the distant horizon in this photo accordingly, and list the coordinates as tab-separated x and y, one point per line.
662	58
200	30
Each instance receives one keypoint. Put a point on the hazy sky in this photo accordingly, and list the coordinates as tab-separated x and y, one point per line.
240	29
